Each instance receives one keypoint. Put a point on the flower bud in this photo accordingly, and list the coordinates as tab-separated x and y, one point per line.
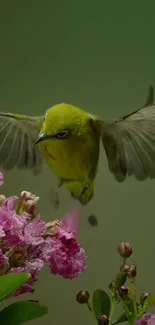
124	268
123	291
132	272
30	206
25	195
17	259
103	320
36	198
51	226
124	249
2	199
112	286
143	296
82	297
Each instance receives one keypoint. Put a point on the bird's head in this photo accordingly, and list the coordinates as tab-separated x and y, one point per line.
63	121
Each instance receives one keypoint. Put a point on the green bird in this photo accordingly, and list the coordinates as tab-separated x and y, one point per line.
68	138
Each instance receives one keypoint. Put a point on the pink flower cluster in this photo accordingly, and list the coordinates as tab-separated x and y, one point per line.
146	319
26	242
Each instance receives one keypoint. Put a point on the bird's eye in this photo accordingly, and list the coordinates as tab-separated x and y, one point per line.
62	134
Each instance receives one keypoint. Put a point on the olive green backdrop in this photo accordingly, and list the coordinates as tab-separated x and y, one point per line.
98	55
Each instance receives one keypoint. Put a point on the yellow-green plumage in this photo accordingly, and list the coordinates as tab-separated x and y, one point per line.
74	159
68	138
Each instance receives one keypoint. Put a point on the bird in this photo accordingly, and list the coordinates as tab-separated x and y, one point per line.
68	138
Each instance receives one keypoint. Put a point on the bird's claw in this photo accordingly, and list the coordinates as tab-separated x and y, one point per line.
79	198
60	182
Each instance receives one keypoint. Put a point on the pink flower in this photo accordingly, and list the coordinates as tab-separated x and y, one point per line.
10	202
27	242
2	233
65	257
4	261
1	179
33	232
10	221
146	319
62	252
34	269
70	222
11	227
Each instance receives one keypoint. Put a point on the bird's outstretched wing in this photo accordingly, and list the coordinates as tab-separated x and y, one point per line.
129	142
18	134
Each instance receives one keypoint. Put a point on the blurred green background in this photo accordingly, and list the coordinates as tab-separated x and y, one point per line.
98	55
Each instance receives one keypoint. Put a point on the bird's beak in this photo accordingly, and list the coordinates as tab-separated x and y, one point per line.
42	136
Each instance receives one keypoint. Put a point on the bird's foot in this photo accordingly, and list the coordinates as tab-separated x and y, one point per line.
60	182
79	198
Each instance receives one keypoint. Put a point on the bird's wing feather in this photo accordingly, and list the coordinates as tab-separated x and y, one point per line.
129	142
17	137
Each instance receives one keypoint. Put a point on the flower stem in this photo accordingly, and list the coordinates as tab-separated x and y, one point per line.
90	308
113	301
124	261
5	271
19	207
133	293
10	252
128	314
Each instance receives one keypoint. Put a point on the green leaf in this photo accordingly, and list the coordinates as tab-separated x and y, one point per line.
147	303
101	303
9	283
20	312
128	306
122	318
120	280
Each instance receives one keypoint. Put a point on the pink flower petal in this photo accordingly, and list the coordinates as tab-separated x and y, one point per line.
146	319
71	220
1	179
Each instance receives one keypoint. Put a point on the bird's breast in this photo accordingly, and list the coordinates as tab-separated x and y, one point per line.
71	159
